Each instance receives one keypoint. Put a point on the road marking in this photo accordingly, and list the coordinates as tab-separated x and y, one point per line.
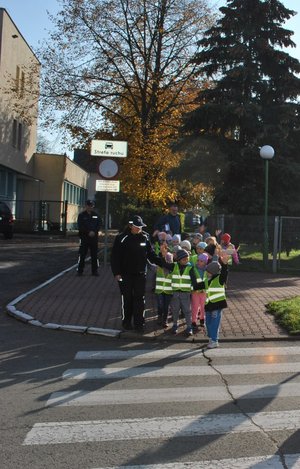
259	462
179	394
155	372
160	427
142	353
179	353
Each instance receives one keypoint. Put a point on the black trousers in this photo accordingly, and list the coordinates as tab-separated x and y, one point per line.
88	244
132	289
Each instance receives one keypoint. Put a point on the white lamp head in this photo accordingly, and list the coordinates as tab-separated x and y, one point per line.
267	152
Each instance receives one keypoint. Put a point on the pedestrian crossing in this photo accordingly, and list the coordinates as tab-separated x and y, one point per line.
182	394
163	399
264	462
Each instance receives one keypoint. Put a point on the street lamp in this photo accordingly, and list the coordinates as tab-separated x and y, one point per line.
267	153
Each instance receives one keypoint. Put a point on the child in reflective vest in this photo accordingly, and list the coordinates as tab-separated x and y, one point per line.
198	297
183	280
163	292
197	238
215	298
200	249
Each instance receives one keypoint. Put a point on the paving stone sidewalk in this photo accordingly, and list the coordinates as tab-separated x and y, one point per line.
92	304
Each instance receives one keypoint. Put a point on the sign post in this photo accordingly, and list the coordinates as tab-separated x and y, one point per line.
108	169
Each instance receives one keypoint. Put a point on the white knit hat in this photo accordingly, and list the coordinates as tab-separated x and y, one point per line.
185	244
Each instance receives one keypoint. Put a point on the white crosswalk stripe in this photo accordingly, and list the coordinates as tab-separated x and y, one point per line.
182	394
263	462
228	352
160	427
156	372
225	380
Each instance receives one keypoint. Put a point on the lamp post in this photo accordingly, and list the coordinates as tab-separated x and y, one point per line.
267	153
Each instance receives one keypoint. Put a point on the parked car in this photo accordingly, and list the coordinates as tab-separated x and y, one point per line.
6	220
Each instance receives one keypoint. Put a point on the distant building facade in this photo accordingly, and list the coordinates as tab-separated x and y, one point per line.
18	110
35	185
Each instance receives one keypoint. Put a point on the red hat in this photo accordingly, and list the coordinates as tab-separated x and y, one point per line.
226	238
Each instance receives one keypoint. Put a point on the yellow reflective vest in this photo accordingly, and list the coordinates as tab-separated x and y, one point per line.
163	282
215	291
200	280
181	282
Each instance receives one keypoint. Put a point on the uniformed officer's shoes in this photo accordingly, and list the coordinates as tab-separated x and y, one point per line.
95	274
126	326
79	274
139	329
159	321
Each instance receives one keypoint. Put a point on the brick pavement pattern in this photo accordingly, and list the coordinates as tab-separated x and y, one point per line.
95	302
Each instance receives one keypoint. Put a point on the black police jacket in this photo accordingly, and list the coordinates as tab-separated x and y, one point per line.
88	222
131	252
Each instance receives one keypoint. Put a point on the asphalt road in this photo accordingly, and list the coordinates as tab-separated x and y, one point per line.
25	262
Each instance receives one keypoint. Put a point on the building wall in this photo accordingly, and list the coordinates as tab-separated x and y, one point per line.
58	173
35	185
19	91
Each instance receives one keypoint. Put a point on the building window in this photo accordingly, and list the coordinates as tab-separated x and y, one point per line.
7	180
17	134
20	82
74	194
22	88
17	79
20	135
2	183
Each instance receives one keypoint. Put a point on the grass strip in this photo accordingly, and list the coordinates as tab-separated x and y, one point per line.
287	313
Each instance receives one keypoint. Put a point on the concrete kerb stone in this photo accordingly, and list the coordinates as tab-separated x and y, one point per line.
106	332
24	317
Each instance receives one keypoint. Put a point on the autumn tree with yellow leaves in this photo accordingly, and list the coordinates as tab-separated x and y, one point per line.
124	67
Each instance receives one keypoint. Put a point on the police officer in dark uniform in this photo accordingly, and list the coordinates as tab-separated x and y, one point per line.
130	253
88	226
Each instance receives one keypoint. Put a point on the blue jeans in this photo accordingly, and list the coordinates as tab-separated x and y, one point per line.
163	303
181	301
212	322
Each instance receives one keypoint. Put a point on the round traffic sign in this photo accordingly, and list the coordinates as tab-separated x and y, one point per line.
108	168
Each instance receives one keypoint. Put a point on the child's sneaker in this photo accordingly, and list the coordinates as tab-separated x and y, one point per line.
165	325
174	329
202	323
189	331
195	327
212	344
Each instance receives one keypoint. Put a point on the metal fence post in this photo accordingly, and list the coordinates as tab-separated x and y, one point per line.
275	245
106	228
65	216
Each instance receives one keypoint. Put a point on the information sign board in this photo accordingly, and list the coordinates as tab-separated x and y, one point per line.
109	148
104	185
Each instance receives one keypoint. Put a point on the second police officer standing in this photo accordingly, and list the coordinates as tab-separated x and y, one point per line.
88	226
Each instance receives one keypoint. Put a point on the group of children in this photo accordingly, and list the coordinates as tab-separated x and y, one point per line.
192	280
